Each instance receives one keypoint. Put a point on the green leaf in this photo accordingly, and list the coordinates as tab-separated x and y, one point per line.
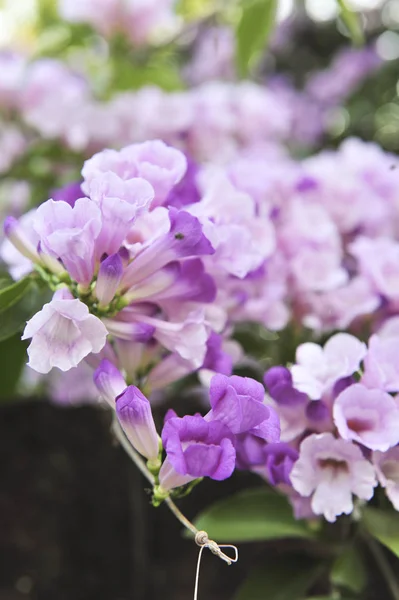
253	31
255	514
348	570
285	577
13	293
384	526
13	354
13	318
352	22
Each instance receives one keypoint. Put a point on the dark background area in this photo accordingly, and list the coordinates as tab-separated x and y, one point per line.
76	522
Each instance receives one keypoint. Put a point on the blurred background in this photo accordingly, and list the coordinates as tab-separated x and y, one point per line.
75	523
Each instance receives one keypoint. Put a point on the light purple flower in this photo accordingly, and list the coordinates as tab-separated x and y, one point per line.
381	364
161	165
242	240
330	470
24	240
387	468
196	448
70	234
134	414
318	368
109	381
121	202
379	261
318	270
367	416
63	333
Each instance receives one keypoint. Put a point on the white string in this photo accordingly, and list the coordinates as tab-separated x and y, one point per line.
202	540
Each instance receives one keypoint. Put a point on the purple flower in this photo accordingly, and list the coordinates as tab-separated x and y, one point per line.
370	417
186	191
237	402
108	279
196	448
63	333
278	380
251	445
331	470
135	416
216	359
186	281
69	193
185	239
109	381
70	234
280	459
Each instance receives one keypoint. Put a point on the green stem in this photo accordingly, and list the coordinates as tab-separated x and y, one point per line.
385	568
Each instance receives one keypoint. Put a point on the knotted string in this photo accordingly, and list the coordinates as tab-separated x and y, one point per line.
202	540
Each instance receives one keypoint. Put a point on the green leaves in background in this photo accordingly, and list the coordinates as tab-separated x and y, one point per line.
348	571
352	22
253	31
252	515
384	526
285	577
13	358
11	293
18	303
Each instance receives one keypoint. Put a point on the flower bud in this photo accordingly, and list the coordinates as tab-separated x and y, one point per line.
109	381
15	233
109	278
135	416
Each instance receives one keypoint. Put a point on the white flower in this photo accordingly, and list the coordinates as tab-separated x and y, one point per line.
63	333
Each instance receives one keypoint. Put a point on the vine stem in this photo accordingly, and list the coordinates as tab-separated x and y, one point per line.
140	464
383	564
201	537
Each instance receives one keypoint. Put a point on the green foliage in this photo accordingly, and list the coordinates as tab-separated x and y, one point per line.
253	31
13	355
194	9
18	303
285	577
13	293
384	526
252	515
348	571
352	22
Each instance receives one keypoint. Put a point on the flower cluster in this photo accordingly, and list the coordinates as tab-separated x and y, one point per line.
211	121
339	423
210	446
120	264
141	21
